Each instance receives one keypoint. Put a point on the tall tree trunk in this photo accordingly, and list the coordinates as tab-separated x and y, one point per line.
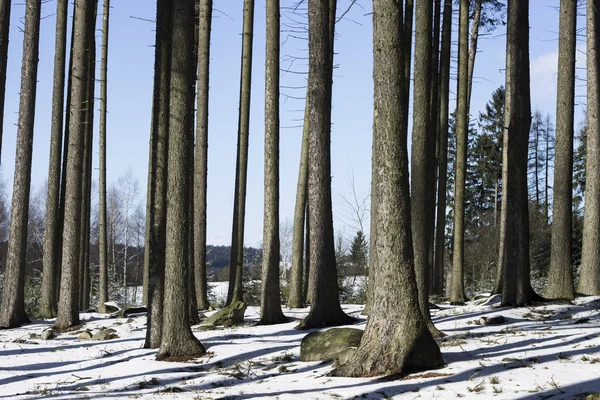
201	161
516	288
87	132
65	157
422	156
4	31
536	159
434	128
473	48
102	235
405	38
296	298
270	302
51	237
192	300
442	120
154	251
396	338
325	306
12	313
305	284
406	58
560	278
236	268
87	129
457	294
589	273
546	168
177	337
68	310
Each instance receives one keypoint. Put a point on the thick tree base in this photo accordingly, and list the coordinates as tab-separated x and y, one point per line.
314	321
296	305
192	348
274	320
14	321
386	356
435	332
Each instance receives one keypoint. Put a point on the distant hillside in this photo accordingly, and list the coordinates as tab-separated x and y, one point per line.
218	257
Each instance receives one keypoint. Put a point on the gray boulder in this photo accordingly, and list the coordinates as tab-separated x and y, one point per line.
48	334
593	396
229	316
132	310
329	345
495	320
105	334
85	335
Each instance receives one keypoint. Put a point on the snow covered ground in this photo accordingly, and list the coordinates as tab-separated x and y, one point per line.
537	353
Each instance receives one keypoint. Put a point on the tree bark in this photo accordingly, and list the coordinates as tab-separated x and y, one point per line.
296	298
201	161
177	337
438	268
86	187
236	268
560	278
154	252
51	237
396	338
270	301
457	294
325	306
422	153
516	289
589	273
12	313
4	31
473	49
102	235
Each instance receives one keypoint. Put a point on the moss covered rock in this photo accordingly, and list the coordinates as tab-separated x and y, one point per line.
330	344
229	316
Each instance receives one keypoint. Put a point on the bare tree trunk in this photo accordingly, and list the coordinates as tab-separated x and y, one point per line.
51	239
270	301
154	252
442	120
65	157
236	268
4	25
191	281
12	313
177	337
296	298
102	241
201	161
422	150
589	273
560	278
462	125
434	127
516	288
396	338
325	306
68	310
406	58
473	48
87	132
305	284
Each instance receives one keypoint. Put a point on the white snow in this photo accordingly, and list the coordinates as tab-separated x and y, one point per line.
538	353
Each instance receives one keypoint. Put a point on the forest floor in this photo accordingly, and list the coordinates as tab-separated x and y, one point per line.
544	352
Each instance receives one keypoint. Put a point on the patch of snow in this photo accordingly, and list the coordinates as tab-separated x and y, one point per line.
539	352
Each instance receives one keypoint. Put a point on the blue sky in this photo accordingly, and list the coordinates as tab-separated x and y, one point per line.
130	74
